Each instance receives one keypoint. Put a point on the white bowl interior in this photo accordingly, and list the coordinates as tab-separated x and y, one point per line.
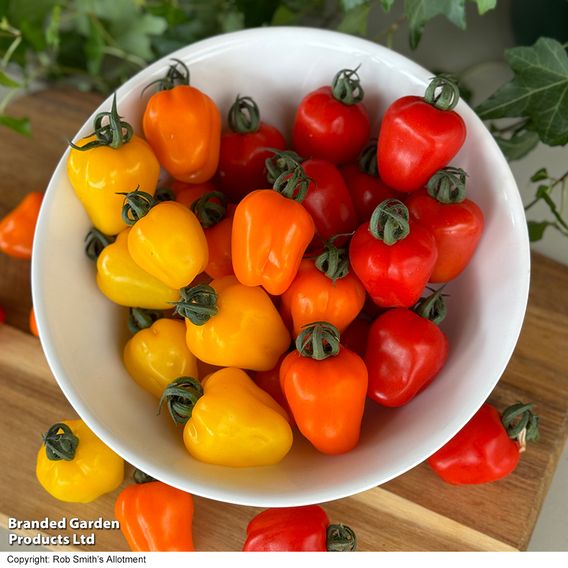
82	333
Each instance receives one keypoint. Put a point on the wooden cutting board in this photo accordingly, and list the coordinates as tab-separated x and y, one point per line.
415	512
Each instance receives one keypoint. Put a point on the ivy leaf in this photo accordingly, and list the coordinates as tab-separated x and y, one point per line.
538	91
6	81
20	125
518	145
539	175
350	4
136	40
387	5
536	229
485	5
420	12
355	21
231	21
52	29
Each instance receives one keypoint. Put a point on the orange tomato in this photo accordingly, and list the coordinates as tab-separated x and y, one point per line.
17	228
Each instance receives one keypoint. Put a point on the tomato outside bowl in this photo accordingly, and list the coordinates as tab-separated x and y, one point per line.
82	333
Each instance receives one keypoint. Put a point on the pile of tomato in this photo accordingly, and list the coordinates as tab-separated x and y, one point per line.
276	286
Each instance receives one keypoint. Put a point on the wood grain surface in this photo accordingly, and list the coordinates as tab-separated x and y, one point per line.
416	511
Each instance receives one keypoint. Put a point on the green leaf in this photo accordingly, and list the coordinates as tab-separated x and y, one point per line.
231	21
94	49
52	29
350	4
485	5
538	91
257	13
6	81
420	12
135	39
355	21
20	125
387	5
518	145
536	229
29	17
539	175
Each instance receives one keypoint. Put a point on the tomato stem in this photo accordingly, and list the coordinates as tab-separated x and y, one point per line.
164	194
341	538
60	443
318	340
521	423
95	242
142	318
448	185
346	87
137	204
432	307
140	477
210	208
114	133
333	261
244	116
368	159
198	303
293	183
442	93
282	161
172	78
180	397
390	221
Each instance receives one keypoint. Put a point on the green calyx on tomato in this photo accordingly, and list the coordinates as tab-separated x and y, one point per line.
142	318
389	221
318	340
137	204
114	133
210	208
178	74
442	93
198	303
432	307
346	87
368	159
448	185
180	397
95	242
282	161
521	423
244	116
333	261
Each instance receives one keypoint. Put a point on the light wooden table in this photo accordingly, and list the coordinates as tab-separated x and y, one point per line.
414	512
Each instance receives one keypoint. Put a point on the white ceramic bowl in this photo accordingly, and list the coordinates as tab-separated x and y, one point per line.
82	333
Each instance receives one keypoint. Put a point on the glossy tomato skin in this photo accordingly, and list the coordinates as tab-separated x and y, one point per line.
404	354
328	129
356	336
241	160
288	529
395	275
415	141
479	453
366	191
327	398
328	200
456	227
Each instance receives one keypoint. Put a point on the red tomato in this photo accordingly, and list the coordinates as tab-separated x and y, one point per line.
328	200
244	150
393	274
297	529
483	451
456	227
364	184
332	123
188	193
419	136
356	336
404	354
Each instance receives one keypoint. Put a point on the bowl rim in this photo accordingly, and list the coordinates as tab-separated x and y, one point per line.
46	337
